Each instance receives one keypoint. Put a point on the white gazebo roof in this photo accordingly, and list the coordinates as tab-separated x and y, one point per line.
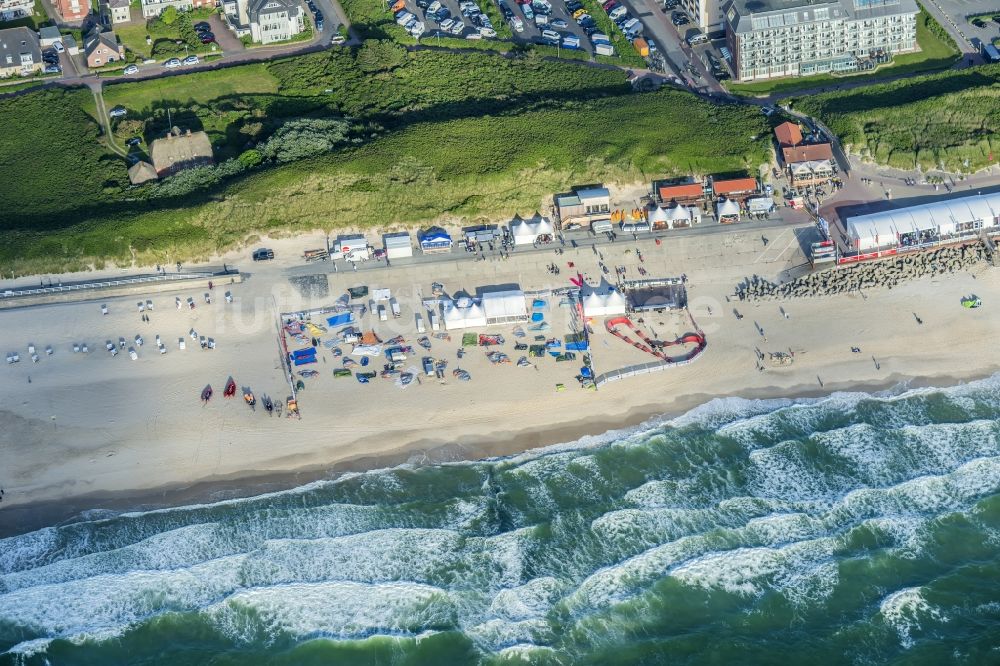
728	207
658	215
676	213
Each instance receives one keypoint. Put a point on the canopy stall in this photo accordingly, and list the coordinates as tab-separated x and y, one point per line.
456	317
528	232
505	307
727	211
602	301
435	240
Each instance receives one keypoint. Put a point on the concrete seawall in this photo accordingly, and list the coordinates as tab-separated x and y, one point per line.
113	288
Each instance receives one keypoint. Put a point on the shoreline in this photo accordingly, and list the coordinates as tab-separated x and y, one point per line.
22	518
81	433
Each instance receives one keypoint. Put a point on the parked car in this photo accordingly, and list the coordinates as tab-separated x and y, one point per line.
263	254
573	5
319	25
207	38
118	112
558	23
518	24
458	28
131	69
551	36
173	63
134	141
52	69
617	12
191	60
609	5
338	39
58	46
204	26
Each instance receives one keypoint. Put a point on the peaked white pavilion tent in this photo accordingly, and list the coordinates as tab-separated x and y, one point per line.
602	301
526	232
463	317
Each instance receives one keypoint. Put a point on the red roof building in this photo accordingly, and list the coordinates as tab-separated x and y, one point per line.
687	193
735	187
788	134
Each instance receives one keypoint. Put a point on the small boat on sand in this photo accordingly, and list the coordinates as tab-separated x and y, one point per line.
206	393
230	388
249	398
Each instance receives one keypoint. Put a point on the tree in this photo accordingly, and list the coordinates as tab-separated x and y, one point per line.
169	15
299	139
250	158
380	56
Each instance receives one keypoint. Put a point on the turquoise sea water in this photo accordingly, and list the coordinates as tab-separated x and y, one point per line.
854	529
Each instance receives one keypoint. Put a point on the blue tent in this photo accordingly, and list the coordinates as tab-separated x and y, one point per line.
342	319
434	238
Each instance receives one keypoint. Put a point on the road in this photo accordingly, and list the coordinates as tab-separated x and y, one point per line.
671	44
576	239
102	115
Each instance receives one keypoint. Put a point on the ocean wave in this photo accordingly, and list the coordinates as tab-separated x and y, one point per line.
736	499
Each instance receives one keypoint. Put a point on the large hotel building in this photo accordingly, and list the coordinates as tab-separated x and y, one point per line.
775	38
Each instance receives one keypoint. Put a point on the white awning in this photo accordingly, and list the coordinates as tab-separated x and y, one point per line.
505	307
526	232
469	317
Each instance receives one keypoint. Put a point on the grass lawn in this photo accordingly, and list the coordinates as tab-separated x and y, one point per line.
37	19
475	168
949	120
133	36
195	88
937	52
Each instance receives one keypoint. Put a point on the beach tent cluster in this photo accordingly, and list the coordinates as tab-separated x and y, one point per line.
602	301
528	232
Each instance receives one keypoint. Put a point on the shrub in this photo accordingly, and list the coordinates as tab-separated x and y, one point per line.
300	139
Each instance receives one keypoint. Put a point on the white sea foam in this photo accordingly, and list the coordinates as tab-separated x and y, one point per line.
495	635
749	571
525	602
905	610
339	609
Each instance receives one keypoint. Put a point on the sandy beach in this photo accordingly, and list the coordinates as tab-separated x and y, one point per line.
91	431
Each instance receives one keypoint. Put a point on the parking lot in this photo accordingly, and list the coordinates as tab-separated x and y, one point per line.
957	11
466	19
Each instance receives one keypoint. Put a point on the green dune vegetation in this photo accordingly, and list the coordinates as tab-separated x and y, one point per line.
373	137
943	121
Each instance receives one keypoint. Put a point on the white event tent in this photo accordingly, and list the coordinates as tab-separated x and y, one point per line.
505	307
463	313
526	232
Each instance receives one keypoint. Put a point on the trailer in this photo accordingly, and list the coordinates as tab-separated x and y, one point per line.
318	254
435	321
394	304
382	315
420	324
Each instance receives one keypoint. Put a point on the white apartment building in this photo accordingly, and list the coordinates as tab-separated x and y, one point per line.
266	21
776	38
705	14
153	8
15	9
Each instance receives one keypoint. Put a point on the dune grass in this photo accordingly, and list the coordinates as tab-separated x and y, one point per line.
464	168
943	121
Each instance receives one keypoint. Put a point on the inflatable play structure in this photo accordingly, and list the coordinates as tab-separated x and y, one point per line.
657	347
